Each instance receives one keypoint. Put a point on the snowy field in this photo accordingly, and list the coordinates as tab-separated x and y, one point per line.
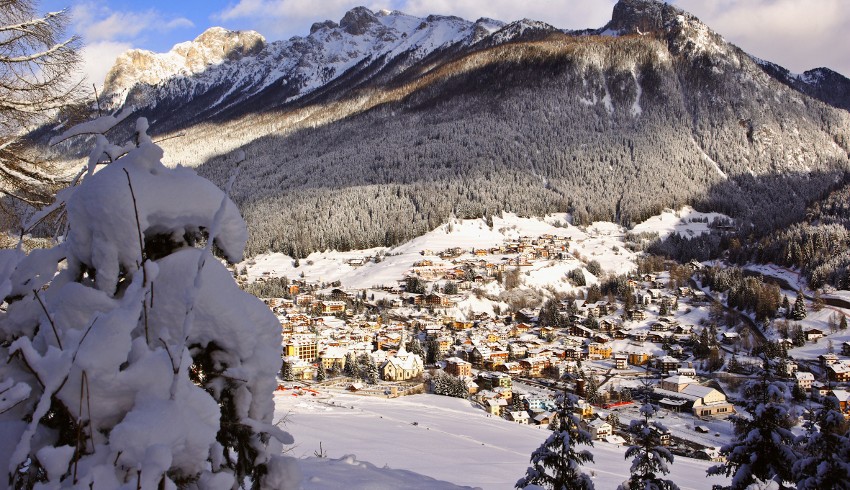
686	222
452	441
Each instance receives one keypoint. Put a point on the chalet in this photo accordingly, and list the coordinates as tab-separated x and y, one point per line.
495	406
845	348
790	368
534	366
661	326
517	350
838	372
804	380
843	399
687	371
699	297
827	359
597	351
663	435
511	368
491	380
639	358
519	416
577	330
669	301
479	354
703	401
331	307
544	418
621	361
813	334
539	403
458	367
819	389
667	364
599	429
636	315
583	409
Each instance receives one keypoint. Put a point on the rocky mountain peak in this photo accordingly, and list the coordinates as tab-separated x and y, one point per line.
211	47
328	24
357	21
641	16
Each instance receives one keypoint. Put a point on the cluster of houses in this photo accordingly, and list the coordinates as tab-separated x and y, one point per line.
836	385
320	327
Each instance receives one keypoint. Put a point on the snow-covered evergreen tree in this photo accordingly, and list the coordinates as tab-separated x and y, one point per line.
443	383
649	457
321	375
824	450
591	393
763	448
286	370
415	347
555	465
798	312
130	358
350	369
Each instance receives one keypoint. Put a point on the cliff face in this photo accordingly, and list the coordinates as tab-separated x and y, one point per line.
213	47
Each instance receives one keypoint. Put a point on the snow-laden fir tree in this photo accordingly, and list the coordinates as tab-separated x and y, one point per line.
763	448
798	312
556	464
286	369
443	383
824	460
351	369
129	358
649	457
321	375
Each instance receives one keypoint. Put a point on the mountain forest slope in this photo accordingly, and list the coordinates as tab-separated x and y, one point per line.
379	128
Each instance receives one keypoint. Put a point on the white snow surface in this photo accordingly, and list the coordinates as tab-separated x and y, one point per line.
452	441
594	243
683	222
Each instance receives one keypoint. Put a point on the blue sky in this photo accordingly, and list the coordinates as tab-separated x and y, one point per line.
798	34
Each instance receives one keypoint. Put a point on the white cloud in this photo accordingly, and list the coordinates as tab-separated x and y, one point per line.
567	14
107	33
96	22
98	58
795	34
278	19
283	18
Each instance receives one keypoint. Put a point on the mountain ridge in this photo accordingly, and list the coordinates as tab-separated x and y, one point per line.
376	136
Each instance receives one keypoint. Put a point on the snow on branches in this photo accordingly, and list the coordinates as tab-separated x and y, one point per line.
131	359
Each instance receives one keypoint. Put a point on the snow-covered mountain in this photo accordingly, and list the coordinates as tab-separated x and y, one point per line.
381	126
241	66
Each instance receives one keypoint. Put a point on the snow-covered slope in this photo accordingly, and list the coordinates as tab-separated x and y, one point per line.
451	441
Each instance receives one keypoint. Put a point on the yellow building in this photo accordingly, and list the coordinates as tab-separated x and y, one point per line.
638	358
599	351
304	348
